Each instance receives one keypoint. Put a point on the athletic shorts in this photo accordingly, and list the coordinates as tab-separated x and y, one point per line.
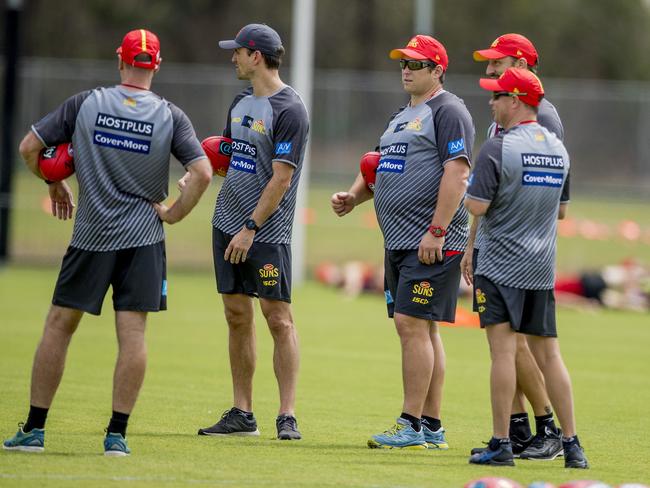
420	290
474	265
530	312
138	276
266	273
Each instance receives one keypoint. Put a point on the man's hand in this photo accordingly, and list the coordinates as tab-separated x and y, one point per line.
163	213
62	200
342	203
430	248
239	245
467	266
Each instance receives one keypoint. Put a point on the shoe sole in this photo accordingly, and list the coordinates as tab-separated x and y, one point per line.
24	448
288	438
231	434
545	458
115	453
495	463
375	445
577	466
439	446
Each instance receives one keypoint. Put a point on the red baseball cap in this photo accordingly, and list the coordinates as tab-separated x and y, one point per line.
423	47
516	81
137	42
514	45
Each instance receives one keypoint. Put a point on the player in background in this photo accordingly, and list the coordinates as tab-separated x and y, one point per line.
520	186
123	137
515	50
252	225
421	179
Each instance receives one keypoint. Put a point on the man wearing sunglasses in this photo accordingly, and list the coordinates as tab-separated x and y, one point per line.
508	51
421	179
519	186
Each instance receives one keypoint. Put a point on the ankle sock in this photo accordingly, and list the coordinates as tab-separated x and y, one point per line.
416	423
36	418
520	426
545	421
431	423
118	423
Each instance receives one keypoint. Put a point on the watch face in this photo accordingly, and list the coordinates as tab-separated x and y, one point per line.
251	225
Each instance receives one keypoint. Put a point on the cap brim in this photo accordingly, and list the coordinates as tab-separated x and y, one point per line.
406	53
486	54
230	44
490	84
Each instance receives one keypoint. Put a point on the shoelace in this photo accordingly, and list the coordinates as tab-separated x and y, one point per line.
287	423
394	429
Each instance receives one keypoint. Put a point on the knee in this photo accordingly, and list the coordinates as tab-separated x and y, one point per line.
238	318
279	324
62	321
407	328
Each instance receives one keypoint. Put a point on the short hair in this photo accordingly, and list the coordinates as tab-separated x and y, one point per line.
442	76
271	61
143	58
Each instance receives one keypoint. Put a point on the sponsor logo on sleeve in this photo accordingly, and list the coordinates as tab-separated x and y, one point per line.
393	158
456	146
283	148
107	121
541	178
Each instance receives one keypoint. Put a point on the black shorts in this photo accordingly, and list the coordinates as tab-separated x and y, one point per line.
138	276
266	273
474	265
420	290
528	311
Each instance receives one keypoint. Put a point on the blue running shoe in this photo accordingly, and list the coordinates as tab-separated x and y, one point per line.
115	445
32	441
496	454
435	440
400	436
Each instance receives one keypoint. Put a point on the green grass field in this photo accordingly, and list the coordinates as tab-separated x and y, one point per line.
350	387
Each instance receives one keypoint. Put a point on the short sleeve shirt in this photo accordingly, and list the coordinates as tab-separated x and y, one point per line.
414	149
263	129
522	174
122	141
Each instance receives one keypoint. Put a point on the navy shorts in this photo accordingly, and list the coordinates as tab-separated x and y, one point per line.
474	265
528	311
420	290
266	273
138	276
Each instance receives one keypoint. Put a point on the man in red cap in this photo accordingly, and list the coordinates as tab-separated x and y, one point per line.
519	186
421	179
123	137
507	51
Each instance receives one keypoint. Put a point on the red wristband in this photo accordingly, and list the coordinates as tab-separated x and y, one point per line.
437	231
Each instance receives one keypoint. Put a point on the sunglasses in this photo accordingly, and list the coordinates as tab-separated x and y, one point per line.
497	95
415	65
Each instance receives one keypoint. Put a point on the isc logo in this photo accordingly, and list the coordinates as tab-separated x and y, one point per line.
269	271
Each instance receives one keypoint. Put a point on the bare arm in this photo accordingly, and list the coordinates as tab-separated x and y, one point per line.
267	204
29	149
476	207
452	188
343	202
200	174
467	263
562	211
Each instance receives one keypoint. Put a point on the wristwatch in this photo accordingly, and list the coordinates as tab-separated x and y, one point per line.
250	224
437	231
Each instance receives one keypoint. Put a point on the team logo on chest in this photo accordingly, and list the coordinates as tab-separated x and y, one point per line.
414	125
251	123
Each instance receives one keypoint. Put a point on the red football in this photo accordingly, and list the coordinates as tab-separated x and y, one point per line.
56	163
218	149
368	166
492	482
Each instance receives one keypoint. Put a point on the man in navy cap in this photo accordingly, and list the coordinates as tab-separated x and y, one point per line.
252	225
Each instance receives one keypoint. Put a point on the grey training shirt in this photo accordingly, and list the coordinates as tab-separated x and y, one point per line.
414	148
122	141
263	129
522	173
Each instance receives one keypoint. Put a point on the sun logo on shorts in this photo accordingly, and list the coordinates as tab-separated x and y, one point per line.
422	289
480	300
267	273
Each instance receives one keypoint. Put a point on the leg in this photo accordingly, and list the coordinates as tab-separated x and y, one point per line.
502	376
131	359
49	360
530	381
417	361
546	351
433	401
241	347
286	356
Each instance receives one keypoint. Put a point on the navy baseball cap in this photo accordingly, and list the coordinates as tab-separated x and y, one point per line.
258	37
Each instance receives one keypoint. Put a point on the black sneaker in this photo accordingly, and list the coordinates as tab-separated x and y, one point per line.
501	456
233	422
545	446
518	446
574	456
287	428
